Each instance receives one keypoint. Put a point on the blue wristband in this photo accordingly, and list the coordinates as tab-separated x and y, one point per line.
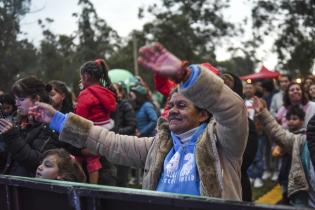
195	71
58	121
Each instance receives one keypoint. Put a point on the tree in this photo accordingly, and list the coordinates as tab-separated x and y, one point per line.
123	57
96	38
237	65
16	56
191	29
61	56
294	23
56	57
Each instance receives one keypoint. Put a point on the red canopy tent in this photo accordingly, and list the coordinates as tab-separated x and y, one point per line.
264	73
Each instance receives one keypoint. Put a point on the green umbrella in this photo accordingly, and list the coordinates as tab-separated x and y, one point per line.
117	75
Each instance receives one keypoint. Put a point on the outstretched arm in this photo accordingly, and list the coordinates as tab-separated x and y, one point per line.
272	128
79	132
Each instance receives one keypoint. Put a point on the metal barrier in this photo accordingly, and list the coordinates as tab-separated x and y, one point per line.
22	193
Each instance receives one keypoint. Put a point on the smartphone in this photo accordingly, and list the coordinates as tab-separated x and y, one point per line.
250	108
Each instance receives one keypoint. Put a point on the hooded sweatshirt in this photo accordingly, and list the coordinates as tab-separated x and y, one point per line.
95	103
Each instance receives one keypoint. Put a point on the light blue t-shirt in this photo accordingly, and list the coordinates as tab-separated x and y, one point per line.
180	174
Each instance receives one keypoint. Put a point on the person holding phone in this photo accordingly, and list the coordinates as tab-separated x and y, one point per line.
26	139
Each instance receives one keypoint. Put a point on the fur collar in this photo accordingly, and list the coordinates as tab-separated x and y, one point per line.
207	159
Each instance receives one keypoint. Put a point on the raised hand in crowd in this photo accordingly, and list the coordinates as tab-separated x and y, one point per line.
258	104
5	126
159	60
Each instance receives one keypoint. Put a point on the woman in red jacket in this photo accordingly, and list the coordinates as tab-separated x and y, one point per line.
95	102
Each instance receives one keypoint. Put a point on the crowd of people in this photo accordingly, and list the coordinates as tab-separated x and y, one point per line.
216	136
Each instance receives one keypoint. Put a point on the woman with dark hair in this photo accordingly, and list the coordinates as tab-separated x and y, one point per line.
7	106
309	79
146	114
60	96
61	99
28	139
125	124
295	95
124	116
311	92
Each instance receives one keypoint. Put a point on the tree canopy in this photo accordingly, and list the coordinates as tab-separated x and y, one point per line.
193	30
294	23
16	56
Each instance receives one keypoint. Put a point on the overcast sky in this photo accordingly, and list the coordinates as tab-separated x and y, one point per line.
121	15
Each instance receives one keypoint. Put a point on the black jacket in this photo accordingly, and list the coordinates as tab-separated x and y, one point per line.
310	137
25	148
248	158
251	146
125	118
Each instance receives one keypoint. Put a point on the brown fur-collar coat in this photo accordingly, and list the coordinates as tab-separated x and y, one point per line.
219	149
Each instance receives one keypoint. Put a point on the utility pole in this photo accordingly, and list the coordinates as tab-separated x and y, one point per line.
135	53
